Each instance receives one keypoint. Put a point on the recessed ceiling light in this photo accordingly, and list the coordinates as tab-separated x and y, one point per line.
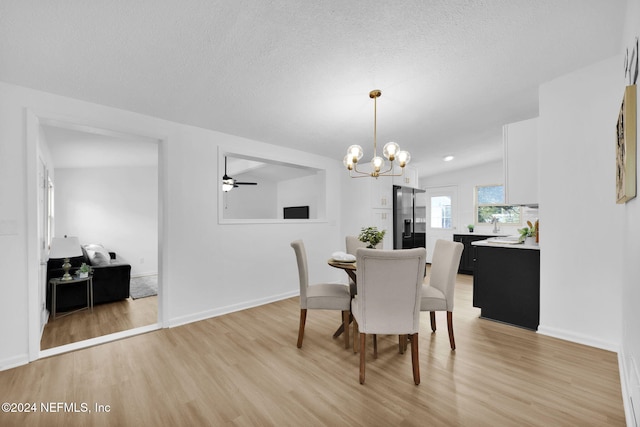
447	158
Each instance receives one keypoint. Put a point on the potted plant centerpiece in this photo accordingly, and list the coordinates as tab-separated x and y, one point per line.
529	234
372	236
83	271
470	227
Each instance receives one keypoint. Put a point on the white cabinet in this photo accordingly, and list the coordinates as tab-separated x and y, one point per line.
369	203
383	219
381	193
520	141
408	179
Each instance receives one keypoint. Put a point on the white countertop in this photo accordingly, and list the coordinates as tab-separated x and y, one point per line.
479	233
497	243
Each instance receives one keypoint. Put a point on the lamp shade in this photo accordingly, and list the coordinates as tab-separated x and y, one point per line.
65	247
227	184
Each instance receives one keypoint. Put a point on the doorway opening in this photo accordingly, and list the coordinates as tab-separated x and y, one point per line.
104	187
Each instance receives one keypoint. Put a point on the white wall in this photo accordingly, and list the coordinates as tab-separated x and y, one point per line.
115	207
206	268
14	328
301	192
581	242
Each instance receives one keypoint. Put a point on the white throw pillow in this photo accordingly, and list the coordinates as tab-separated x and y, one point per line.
98	255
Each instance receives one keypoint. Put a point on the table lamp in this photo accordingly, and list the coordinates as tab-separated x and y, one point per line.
65	247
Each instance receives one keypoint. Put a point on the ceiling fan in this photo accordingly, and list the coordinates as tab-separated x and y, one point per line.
229	183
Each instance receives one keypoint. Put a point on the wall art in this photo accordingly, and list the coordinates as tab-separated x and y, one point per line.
626	147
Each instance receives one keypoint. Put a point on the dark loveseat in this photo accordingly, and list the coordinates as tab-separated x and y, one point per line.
110	281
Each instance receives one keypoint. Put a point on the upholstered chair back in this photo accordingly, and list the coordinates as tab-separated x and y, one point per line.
444	268
303	270
389	289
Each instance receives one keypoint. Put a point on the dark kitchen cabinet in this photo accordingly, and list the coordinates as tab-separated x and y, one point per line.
506	285
469	252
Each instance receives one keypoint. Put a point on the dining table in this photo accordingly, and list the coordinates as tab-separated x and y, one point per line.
348	266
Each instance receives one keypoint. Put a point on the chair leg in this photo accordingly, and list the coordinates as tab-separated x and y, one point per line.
375	346
345	321
303	319
402	339
415	360
363	344
452	340
356	342
432	315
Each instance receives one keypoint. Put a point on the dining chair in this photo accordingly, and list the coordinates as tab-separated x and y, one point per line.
437	294
388	300
352	244
322	296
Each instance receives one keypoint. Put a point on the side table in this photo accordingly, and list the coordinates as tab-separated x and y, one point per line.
58	282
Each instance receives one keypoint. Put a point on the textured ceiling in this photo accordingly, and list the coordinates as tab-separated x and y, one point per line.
298	73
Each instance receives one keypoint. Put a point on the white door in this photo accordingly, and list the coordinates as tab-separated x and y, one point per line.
442	215
43	234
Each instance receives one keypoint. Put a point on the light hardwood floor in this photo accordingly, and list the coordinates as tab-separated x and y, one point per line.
244	369
106	319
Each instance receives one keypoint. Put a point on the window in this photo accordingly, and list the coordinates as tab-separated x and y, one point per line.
440	212
490	206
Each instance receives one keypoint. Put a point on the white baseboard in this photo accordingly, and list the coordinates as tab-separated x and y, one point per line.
195	317
14	362
630	384
578	338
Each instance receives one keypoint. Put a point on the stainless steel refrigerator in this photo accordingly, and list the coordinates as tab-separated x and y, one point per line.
409	217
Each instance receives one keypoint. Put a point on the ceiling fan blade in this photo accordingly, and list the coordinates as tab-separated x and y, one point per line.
246	183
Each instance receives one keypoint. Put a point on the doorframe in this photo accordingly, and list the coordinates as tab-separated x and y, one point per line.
34	120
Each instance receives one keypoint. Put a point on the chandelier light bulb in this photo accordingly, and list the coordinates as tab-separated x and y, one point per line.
403	158
377	163
355	152
390	150
348	162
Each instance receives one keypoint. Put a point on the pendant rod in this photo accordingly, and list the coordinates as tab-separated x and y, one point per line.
375	126
375	94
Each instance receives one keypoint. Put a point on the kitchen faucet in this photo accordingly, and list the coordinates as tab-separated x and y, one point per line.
495	220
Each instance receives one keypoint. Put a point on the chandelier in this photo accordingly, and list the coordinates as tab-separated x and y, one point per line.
391	151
